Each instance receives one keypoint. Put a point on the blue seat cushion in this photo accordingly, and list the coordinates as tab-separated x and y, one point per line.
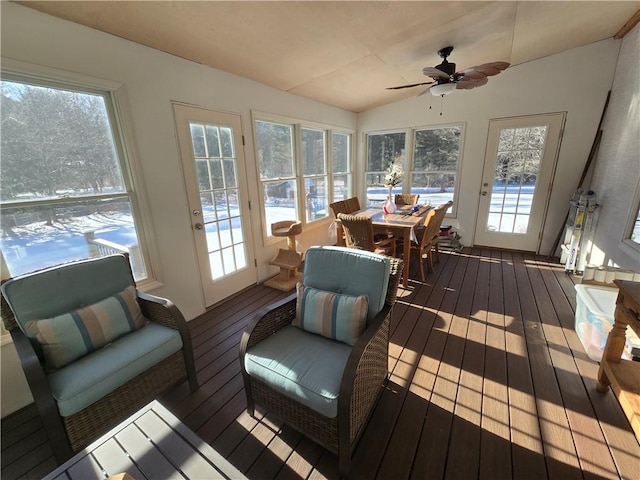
90	378
350	272
302	366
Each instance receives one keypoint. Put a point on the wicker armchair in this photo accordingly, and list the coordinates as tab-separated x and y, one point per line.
406	198
428	238
358	233
54	292
365	368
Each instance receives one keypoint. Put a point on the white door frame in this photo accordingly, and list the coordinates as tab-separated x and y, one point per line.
531	240
241	276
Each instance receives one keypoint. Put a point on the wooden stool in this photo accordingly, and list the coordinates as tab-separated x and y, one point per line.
288	260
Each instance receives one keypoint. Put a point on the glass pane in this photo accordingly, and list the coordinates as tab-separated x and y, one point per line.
197	140
279	202
217	181
434	188
225	233
55	143
228	260
313	157
516	173
213	145
236	231
226	138
208	211
215	260
230	173
341	152
275	150
42	236
506	224
522	224
341	187
635	230
437	149
316	199
213	239
385	149
202	172
220	198
238	252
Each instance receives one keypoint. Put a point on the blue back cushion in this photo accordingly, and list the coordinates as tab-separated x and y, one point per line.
350	272
62	289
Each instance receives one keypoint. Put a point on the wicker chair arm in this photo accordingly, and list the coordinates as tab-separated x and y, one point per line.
165	312
39	386
160	310
268	321
366	369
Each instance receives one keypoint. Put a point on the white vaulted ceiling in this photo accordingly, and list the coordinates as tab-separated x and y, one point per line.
346	53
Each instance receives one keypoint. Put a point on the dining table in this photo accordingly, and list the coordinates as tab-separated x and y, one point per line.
403	223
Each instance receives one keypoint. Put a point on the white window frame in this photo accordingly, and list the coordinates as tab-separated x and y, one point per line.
410	134
299	176
629	245
116	105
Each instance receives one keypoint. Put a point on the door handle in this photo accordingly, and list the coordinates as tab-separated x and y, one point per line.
198	226
484	193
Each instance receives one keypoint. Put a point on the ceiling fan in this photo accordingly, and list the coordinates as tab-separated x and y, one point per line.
446	79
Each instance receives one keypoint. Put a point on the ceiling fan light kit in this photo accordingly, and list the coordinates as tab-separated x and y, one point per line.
442	89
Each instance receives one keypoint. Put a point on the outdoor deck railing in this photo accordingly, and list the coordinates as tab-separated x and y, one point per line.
99	247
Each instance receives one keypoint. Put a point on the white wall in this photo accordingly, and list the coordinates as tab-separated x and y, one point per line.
575	81
616	175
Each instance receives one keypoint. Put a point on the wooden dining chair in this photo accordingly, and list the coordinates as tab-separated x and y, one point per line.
358	233
427	245
353	204
339	207
406	198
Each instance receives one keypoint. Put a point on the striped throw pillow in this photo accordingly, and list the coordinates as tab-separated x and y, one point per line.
332	315
67	337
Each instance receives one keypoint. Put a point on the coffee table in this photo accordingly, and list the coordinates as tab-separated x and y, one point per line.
152	443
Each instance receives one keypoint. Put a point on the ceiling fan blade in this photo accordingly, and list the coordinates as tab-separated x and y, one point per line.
489	69
409	86
469	76
467	85
433	72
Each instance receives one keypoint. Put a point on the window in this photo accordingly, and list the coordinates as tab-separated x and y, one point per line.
382	151
632	232
64	192
289	166
436	152
431	169
342	178
314	172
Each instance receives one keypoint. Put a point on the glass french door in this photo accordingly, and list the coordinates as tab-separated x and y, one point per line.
214	171
519	164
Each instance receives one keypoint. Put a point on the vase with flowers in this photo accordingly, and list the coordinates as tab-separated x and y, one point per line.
393	177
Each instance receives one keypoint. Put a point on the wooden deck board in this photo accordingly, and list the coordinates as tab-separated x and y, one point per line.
487	380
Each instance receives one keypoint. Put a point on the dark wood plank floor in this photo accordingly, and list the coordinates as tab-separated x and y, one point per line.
487	380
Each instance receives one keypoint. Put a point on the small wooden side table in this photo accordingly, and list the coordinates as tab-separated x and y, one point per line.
623	375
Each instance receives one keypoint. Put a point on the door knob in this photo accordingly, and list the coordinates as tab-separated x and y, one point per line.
198	226
484	193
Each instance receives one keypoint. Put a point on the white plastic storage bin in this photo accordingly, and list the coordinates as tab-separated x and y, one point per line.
595	306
